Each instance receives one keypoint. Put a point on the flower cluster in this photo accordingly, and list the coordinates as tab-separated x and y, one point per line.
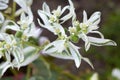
64	47
19	39
17	49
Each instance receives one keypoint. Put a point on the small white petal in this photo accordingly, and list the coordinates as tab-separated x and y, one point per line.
84	16
49	27
64	9
70	14
43	17
95	18
18	12
46	8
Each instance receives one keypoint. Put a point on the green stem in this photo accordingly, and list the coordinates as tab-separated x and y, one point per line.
38	47
13	10
28	72
13	71
7	16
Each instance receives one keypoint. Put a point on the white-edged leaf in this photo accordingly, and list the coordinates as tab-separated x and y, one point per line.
75	54
57	49
3	5
56	46
63	55
32	31
43	17
84	16
46	8
88	61
13	26
30	54
101	42
95	18
99	33
1	18
4	1
87	42
22	4
3	67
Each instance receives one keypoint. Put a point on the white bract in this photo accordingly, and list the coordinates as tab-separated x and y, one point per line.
24	4
8	47
3	67
94	77
3	4
1	18
116	73
53	20
90	26
25	26
19	47
13	48
63	47
30	54
21	56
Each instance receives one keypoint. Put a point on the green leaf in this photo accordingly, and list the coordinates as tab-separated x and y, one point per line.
42	69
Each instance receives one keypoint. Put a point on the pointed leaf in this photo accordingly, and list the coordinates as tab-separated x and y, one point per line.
101	42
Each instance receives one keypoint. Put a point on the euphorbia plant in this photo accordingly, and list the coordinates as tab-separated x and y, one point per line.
21	43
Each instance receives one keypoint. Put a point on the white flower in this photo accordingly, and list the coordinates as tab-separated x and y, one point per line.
71	12
3	4
90	26
55	15
11	47
24	4
53	20
94	77
116	73
65	50
26	26
55	28
22	55
26	20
